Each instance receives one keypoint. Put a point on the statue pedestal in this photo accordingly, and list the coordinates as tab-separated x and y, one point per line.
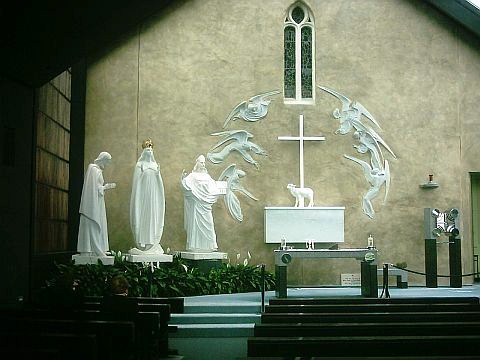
204	261
82	259
158	258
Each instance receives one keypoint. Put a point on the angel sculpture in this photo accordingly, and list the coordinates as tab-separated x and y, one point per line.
376	177
232	176
240	143
350	117
253	109
351	113
370	142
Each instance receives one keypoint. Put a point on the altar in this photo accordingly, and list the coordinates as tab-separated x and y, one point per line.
300	225
366	256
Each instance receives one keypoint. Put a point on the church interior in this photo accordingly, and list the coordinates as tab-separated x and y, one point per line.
345	130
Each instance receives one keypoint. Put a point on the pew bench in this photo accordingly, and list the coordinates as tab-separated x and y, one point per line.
57	345
370	308
361	300
177	304
428	316
148	336
161	308
372	329
108	333
347	346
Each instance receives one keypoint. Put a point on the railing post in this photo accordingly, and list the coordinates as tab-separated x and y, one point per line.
263	287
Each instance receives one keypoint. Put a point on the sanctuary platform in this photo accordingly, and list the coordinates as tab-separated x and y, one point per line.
225	322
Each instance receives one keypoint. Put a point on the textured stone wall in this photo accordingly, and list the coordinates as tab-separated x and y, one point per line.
177	77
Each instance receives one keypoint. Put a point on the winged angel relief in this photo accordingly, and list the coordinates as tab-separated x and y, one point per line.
232	175
240	142
251	110
377	172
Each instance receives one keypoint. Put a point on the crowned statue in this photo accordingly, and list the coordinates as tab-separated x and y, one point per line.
147	204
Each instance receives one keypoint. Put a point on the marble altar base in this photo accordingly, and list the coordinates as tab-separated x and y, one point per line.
80	259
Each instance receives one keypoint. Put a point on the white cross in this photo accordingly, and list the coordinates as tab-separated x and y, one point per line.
301	138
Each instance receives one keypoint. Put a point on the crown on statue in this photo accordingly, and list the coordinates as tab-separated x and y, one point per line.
147	143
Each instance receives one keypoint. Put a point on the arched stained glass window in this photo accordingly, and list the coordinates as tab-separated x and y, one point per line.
299	59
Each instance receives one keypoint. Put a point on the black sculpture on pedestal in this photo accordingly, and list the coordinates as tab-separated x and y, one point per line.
437	223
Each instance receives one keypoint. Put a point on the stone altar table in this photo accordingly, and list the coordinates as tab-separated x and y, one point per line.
298	225
369	281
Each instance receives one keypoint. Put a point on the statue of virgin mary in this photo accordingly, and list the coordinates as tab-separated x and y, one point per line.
147	204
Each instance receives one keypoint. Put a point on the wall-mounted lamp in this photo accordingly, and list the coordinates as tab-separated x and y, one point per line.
430	184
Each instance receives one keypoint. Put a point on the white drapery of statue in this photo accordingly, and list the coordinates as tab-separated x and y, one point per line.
92	232
147	204
200	193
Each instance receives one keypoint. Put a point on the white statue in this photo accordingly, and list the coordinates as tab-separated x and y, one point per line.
232	175
376	178
200	193
92	232
301	194
147	204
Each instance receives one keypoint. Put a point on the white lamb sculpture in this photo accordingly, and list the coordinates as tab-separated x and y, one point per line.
300	194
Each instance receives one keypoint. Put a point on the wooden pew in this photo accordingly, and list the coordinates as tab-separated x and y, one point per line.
362	300
372	346
116	338
162	309
370	308
177	304
372	329
370	317
146	325
56	345
163	306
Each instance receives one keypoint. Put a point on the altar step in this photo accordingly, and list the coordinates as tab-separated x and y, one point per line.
214	330
214	318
